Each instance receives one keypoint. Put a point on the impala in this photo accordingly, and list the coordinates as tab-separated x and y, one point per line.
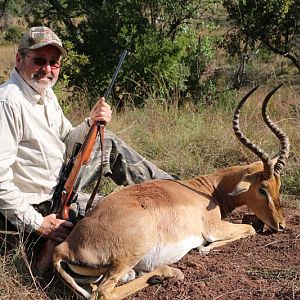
127	241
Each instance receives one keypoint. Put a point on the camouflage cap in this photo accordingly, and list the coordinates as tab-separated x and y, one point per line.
41	36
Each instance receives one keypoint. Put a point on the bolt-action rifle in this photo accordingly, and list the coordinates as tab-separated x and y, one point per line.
66	190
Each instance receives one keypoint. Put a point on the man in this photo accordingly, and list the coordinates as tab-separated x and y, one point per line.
36	139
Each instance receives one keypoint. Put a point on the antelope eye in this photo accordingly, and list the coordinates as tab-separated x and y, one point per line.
263	191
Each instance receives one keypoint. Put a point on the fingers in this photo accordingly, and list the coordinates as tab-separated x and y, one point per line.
55	229
101	112
102	99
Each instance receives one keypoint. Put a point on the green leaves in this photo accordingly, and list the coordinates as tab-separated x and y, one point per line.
161	37
13	34
270	24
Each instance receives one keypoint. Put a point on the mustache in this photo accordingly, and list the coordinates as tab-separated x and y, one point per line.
40	75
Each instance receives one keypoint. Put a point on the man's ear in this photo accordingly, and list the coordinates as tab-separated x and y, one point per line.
18	59
242	186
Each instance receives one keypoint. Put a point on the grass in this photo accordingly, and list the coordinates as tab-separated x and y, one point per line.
187	142
268	273
7	55
16	280
191	141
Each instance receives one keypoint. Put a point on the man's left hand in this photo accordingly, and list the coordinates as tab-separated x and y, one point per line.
100	112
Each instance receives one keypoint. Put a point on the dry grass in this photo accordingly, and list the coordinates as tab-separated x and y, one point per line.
193	141
17	281
7	58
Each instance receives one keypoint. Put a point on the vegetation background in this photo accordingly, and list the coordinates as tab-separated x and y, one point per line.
189	63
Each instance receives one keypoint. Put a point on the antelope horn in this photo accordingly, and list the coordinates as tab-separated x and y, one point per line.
268	164
282	137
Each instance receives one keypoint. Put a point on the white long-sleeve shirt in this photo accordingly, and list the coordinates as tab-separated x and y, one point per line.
34	139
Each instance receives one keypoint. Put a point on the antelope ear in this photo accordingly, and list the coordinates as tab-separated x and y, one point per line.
242	187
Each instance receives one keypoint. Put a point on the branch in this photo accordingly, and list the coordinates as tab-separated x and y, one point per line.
290	56
3	8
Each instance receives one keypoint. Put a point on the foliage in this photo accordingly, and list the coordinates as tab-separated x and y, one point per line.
273	25
71	67
2	80
13	34
161	37
13	7
291	182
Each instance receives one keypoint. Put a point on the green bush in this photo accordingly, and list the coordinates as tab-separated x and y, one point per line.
166	57
167	69
13	34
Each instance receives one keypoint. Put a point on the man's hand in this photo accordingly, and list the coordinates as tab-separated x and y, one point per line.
55	229
100	112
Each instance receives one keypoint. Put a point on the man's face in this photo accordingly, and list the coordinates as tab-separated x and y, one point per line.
40	67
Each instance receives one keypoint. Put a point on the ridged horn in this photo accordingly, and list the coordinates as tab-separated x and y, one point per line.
267	162
282	137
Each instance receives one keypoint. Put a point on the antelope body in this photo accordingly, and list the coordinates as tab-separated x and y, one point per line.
135	233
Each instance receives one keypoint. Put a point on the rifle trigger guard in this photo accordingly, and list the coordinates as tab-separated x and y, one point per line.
73	199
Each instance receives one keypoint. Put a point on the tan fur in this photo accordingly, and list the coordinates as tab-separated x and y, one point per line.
144	228
119	234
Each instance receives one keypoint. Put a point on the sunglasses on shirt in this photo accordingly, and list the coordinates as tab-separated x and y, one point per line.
40	61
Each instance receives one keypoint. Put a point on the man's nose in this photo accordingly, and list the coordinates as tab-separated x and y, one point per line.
47	68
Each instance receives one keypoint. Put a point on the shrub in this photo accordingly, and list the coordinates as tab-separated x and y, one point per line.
13	34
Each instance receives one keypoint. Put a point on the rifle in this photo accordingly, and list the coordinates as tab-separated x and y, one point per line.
65	192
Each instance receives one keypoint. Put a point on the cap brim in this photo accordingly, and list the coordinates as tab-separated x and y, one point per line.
59	47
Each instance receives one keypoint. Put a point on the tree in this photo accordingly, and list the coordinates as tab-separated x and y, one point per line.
166	54
271	24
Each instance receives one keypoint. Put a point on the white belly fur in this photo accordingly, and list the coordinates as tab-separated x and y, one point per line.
168	253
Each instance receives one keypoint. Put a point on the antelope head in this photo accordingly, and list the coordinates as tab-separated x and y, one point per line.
145	227
262	179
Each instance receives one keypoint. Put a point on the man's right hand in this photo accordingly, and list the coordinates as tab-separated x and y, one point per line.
55	229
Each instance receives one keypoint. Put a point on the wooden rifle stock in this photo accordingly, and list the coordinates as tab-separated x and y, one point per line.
81	159
67	194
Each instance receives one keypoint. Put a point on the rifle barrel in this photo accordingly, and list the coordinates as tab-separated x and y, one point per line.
123	55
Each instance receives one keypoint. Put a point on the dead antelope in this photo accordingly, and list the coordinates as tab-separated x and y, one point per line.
143	228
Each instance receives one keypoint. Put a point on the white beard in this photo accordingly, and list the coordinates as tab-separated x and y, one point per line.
38	86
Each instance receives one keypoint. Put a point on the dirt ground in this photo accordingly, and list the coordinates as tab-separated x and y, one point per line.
264	267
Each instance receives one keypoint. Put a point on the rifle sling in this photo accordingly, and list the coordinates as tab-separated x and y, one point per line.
100	129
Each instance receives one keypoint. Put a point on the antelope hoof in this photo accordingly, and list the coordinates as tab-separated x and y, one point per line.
169	272
178	274
203	250
156	279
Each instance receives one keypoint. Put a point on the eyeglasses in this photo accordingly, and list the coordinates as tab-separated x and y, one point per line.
40	61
